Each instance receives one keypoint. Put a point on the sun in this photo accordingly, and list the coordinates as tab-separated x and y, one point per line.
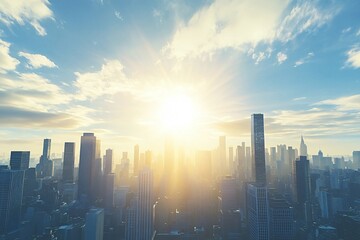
177	112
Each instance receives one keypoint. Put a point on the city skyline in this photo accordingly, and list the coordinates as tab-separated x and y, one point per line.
119	69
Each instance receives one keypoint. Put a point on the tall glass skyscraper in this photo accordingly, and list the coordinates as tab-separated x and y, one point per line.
45	167
11	194
258	211
258	148
144	226
19	160
87	161
69	159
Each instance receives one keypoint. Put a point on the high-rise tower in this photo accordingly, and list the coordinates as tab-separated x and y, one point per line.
258	148
108	161
144	226
136	159
11	194
69	159
45	167
303	147
302	188
258	211
19	160
87	162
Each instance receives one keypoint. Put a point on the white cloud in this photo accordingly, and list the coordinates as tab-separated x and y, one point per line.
226	24
281	57
304	60
347	103
299	98
231	24
110	79
7	62
354	57
306	16
31	91
25	11
258	57
37	60
118	15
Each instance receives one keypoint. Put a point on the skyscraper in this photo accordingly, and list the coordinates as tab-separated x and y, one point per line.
302	187
257	206
19	160
136	159
281	215
356	159
94	224
108	161
86	164
222	163
46	149
45	167
11	193
130	228
258	148
109	190
303	147
69	159
144	226
231	160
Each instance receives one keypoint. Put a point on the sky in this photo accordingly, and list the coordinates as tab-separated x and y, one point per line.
136	71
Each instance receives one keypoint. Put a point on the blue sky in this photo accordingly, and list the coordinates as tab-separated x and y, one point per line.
106	66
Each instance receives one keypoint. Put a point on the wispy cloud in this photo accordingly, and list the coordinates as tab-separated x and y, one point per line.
353	59
118	15
347	103
299	98
306	16
304	60
281	57
22	118
158	14
7	62
37	60
21	12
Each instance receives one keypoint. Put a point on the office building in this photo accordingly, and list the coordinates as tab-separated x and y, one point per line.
136	159
257	208
281	215
86	165
11	195
131	213
109	190
45	167
108	161
302	188
303	148
222	164
144	225
69	160
19	160
94	224
356	159
258	148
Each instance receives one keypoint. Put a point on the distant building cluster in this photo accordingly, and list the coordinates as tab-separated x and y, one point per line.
237	192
